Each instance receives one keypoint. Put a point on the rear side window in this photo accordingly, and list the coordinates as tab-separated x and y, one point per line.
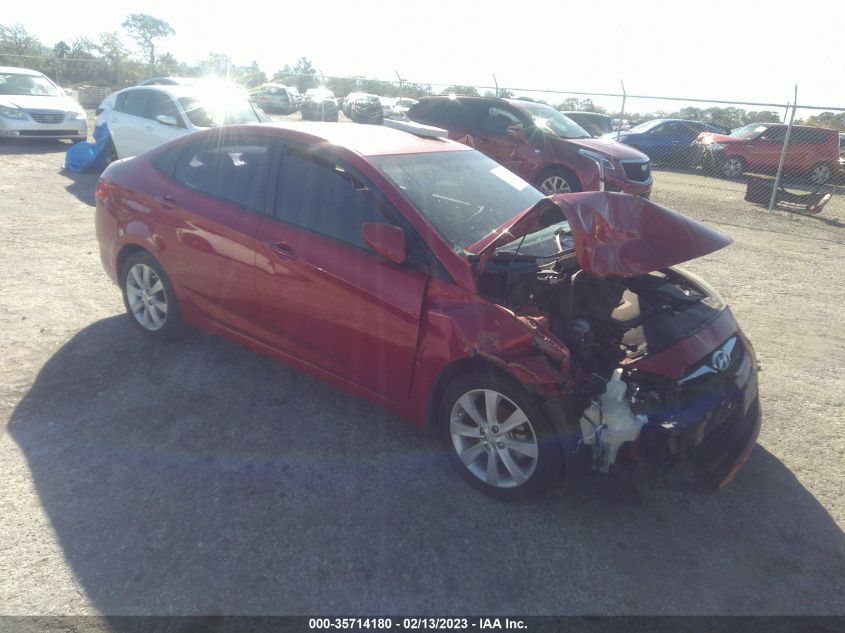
811	137
319	195
231	168
445	113
133	102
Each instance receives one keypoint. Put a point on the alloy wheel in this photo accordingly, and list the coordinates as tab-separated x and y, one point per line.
733	167
820	174
493	438
146	297
555	184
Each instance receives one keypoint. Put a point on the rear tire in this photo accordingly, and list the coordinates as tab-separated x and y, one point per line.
498	436
820	173
149	298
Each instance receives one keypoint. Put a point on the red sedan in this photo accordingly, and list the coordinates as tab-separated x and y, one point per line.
418	273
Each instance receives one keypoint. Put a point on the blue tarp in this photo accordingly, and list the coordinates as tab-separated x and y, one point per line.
90	156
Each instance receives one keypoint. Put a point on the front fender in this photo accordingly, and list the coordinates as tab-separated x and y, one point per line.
457	325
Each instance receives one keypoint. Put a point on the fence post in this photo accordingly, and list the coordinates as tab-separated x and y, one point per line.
622	111
496	83
783	151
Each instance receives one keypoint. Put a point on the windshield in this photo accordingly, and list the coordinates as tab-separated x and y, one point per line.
463	194
32	85
203	113
553	122
753	130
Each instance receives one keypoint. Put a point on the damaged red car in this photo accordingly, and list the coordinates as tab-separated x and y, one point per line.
422	275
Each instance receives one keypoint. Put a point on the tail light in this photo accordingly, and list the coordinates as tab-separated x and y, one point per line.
102	191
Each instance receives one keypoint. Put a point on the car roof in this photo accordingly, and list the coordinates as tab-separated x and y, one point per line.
14	70
175	91
368	140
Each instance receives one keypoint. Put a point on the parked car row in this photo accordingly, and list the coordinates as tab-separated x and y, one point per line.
276	98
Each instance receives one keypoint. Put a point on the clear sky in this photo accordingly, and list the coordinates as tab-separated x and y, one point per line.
737	50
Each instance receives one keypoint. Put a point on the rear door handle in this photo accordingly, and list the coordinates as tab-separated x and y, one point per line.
149	129
282	249
168	202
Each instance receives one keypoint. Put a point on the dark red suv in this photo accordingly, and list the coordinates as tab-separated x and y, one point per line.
538	143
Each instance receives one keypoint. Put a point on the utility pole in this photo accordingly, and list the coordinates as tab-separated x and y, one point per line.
401	81
784	150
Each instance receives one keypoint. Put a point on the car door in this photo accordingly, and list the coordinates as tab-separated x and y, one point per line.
127	122
323	296
501	135
157	133
214	196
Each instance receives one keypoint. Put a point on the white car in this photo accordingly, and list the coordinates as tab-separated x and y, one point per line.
32	106
143	117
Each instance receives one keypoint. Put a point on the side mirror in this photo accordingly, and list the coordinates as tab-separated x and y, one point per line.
386	240
166	119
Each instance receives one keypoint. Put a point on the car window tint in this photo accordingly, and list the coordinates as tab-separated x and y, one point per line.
775	134
321	196
160	103
135	102
233	169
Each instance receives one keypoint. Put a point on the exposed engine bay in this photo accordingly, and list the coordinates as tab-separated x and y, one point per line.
603	322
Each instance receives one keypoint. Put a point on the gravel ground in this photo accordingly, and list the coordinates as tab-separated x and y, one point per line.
200	478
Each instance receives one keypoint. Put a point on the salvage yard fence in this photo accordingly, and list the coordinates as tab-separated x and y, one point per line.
791	153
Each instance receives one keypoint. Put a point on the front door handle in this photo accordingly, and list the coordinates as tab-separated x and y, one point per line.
149	129
282	249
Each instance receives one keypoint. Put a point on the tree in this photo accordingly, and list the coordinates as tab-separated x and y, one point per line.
112	49
827	119
303	75
504	93
145	29
460	90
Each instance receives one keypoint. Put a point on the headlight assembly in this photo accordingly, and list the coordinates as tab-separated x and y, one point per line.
604	161
13	113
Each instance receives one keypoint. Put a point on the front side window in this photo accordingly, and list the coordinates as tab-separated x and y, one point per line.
464	195
233	169
160	104
208	113
550	121
318	194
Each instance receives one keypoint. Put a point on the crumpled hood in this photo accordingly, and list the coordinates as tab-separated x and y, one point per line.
615	235
722	139
40	102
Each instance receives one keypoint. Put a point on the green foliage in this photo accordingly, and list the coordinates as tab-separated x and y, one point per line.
835	120
303	75
574	104
460	90
145	30
504	93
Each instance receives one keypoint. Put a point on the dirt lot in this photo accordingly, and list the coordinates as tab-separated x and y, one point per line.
200	478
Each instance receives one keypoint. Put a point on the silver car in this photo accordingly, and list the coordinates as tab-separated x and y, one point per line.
32	106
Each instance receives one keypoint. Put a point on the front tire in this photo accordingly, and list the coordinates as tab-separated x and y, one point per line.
733	167
558	180
149	298
498	436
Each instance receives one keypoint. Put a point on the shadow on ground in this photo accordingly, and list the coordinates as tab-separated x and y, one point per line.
33	146
200	478
82	186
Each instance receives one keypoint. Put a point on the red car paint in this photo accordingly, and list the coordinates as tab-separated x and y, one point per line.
384	331
615	235
808	147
